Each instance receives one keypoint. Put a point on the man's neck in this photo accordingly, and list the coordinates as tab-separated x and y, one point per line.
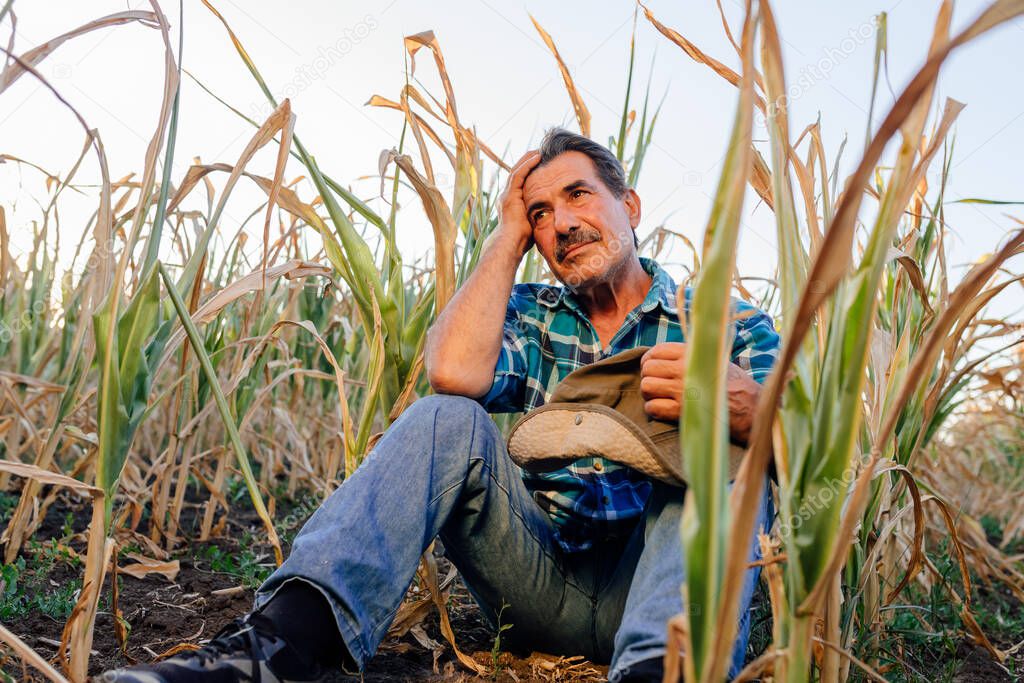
608	303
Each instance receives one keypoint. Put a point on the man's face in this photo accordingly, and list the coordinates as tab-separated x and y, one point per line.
583	232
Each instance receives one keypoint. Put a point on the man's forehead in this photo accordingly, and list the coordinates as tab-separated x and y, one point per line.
565	168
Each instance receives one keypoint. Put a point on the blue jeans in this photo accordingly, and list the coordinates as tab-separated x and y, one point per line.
442	470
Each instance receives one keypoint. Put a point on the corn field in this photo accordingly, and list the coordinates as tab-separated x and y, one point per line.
180	374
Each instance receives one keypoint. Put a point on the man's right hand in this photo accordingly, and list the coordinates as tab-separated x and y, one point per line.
513	223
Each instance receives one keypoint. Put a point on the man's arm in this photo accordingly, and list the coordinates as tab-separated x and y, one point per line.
464	342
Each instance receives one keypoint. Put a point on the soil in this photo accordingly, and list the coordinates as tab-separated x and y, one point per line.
978	666
190	609
164	614
199	601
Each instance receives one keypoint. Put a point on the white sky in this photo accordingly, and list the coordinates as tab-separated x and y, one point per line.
507	84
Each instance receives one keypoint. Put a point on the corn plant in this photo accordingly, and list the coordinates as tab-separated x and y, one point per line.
812	410
704	422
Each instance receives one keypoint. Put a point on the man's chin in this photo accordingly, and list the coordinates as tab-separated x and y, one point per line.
580	273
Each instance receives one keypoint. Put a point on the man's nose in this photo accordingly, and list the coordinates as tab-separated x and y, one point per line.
565	221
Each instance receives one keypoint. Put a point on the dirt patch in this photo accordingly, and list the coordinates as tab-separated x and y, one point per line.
162	614
977	666
215	585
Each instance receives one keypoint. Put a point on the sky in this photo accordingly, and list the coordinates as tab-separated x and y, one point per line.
329	58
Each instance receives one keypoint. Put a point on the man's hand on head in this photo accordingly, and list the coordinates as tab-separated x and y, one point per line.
514	224
663	381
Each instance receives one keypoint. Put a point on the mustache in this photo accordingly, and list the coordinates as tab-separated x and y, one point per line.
564	243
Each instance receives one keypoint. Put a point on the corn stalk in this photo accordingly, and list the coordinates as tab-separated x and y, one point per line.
704	423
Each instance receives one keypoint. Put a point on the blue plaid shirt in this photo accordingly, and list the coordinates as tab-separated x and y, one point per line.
546	336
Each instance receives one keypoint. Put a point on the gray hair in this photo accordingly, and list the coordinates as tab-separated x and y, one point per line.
609	169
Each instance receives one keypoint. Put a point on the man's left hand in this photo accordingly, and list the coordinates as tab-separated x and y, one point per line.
662	383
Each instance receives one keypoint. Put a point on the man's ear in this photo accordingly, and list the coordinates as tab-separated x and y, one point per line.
632	202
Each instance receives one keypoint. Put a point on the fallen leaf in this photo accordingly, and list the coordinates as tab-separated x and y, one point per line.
145	566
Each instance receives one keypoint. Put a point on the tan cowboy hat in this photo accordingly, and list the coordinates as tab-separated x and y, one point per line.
598	410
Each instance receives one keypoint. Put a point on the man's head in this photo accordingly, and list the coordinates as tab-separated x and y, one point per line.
582	211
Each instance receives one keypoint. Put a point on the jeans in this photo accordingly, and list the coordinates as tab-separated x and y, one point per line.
442	470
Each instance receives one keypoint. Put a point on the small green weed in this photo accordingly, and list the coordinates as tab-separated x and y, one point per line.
496	648
8	501
244	564
25	586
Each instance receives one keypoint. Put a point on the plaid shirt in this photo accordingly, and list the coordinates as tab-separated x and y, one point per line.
546	336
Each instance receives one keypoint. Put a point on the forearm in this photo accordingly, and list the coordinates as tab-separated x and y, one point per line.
743	395
463	343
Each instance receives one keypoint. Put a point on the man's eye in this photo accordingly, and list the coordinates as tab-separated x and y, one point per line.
537	215
575	193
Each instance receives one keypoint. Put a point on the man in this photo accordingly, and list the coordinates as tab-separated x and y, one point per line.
587	558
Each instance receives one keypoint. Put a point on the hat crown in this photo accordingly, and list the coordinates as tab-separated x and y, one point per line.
602	381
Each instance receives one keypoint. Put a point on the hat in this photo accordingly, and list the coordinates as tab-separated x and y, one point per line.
598	410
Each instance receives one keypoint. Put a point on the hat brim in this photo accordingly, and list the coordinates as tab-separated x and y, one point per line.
545	438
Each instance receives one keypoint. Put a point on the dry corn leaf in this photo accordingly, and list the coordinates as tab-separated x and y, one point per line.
16	69
697	55
428	574
445	230
254	281
30	656
144	566
582	113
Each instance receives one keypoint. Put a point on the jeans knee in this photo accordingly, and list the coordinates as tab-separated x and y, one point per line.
445	418
450	408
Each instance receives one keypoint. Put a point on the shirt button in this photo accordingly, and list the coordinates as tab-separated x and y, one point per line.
598	466
604	499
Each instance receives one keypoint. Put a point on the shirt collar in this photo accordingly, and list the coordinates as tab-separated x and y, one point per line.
662	292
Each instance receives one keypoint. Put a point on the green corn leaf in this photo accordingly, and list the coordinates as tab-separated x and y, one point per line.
704	425
123	391
620	142
227	417
978	200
